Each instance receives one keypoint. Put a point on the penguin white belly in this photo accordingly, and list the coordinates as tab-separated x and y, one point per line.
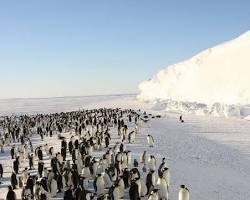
143	189
116	193
129	158
121	188
53	188
100	186
150	141
133	137
138	182
151	164
183	194
166	176
163	192
107	181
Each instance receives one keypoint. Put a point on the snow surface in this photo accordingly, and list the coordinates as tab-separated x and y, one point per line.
210	155
216	77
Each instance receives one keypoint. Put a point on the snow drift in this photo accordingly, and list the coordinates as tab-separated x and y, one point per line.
216	80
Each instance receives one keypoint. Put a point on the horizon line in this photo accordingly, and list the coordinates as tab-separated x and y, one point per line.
74	96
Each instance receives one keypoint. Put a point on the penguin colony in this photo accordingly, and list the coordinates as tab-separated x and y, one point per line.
80	170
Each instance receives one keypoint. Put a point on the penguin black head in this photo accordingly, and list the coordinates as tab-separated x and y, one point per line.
183	186
155	190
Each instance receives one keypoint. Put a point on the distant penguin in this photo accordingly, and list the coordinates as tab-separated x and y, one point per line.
134	191
115	192
143	157
143	188
131	137
107	180
151	163
126	175
166	175
183	193
100	184
150	181
53	187
163	188
121	188
181	119
150	140
162	166
47	149
129	156
136	164
95	167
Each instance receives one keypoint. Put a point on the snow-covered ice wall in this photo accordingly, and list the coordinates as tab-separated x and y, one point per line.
219	75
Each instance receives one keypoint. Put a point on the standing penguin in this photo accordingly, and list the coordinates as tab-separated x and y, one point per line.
151	163
13	179
129	156
150	181
183	193
115	194
31	163
99	184
40	168
166	175
53	186
143	157
11	195
150	140
121	188
163	188
131	137
162	166
134	191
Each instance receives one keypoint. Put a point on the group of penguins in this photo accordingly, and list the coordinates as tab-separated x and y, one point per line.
73	171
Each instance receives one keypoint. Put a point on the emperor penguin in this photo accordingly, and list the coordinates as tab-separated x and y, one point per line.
151	163
129	157
108	157
166	175
150	140
162	166
95	167
116	192
150	181
53	187
134	191
183	193
47	149
143	188
125	176
100	184
131	137
143	157
163	188
121	188
124	160
107	180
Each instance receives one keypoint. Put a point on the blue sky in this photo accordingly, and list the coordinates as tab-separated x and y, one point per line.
72	48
